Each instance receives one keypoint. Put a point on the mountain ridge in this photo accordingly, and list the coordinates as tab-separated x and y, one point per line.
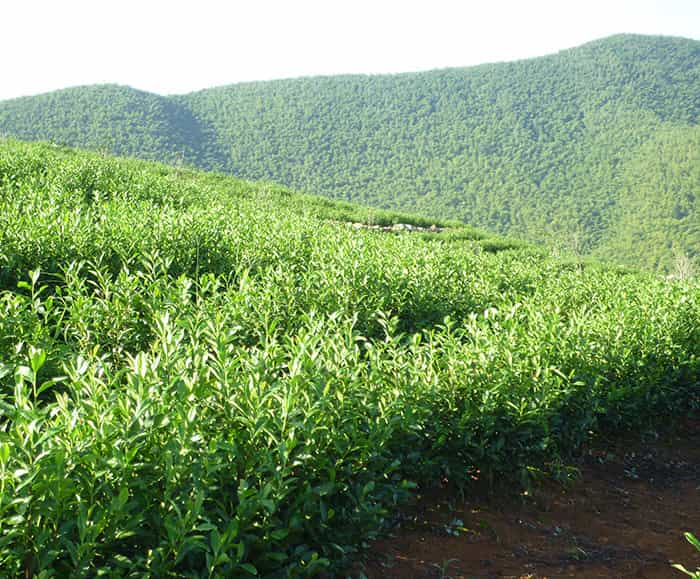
548	149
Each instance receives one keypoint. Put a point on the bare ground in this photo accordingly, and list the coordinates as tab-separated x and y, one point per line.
624	516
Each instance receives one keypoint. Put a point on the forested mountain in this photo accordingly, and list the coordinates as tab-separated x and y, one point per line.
106	117
595	149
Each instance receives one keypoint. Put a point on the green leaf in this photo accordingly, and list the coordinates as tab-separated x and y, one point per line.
279	534
49	383
37	357
215	540
248	568
692	539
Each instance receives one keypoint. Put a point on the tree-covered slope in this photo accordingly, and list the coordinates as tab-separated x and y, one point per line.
592	148
110	118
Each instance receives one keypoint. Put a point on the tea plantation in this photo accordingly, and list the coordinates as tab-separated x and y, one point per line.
203	377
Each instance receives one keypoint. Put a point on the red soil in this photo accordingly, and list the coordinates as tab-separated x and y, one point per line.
624	516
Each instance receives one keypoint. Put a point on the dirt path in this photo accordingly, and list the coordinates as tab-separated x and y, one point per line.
624	517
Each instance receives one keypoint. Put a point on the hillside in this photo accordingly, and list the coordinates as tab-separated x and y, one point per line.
595	149
107	118
204	377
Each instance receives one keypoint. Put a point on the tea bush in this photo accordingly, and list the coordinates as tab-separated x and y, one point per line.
203	377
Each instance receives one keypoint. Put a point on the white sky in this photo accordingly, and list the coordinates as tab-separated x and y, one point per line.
174	47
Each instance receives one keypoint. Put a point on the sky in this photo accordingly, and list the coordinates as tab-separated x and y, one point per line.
176	46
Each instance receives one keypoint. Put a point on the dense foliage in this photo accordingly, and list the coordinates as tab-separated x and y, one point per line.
595	149
203	377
